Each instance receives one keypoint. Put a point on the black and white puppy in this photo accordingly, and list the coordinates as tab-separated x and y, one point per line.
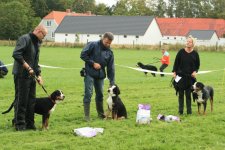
44	106
115	105
147	67
201	94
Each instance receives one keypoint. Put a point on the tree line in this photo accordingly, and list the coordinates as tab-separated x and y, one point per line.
20	16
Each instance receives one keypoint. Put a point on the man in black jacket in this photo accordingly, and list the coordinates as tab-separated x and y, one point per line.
26	58
97	55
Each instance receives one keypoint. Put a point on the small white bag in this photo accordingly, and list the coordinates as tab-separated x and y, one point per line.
88	131
143	114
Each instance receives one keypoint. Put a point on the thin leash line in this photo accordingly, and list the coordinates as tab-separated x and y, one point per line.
153	62
41	85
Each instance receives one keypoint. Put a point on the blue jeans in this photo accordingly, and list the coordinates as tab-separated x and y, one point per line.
89	82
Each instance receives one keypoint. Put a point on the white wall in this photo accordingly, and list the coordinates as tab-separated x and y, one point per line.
221	42
75	38
152	36
173	39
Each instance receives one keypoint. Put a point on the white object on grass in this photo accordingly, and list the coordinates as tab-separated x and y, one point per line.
88	131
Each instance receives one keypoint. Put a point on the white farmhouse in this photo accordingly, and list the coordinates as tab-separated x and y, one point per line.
205	37
136	30
54	18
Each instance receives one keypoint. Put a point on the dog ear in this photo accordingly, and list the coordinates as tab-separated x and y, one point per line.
201	85
117	90
55	94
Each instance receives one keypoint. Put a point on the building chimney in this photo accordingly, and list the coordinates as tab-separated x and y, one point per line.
68	10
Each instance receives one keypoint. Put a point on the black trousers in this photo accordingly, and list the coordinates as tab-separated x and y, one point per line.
163	66
25	93
181	101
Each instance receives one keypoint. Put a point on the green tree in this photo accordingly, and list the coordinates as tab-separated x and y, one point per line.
101	9
82	6
56	5
17	22
171	8
218	9
40	7
160	8
132	8
139	8
121	8
206	9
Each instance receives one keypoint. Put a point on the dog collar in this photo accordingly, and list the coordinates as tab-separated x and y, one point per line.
51	100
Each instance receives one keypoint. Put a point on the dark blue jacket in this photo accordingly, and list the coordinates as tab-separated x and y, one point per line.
95	52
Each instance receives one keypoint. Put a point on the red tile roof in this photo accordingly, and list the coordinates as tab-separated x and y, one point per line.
59	15
181	26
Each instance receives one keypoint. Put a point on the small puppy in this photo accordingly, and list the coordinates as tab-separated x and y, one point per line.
44	106
115	105
201	94
147	67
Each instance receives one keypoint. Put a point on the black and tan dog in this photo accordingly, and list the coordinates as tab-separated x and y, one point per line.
147	67
45	106
201	94
115	105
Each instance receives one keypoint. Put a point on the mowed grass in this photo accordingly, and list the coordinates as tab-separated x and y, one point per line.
194	132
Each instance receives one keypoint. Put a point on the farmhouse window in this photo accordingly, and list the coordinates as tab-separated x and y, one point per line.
49	23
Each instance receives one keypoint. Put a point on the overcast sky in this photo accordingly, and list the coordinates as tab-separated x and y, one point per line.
107	2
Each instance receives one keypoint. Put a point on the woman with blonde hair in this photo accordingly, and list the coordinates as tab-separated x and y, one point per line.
186	66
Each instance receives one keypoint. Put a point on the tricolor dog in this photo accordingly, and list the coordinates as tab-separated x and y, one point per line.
45	106
201	94
115	105
147	67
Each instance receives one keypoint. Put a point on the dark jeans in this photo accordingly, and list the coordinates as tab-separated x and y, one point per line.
181	101
25	92
98	84
163	66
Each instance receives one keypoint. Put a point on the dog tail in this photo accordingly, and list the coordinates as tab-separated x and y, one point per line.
211	98
10	108
211	94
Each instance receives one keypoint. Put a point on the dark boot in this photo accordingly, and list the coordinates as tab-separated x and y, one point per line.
87	111
99	108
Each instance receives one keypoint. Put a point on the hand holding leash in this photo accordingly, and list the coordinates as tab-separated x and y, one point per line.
30	71
40	80
156	58
97	66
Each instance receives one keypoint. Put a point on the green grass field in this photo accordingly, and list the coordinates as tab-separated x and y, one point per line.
194	132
